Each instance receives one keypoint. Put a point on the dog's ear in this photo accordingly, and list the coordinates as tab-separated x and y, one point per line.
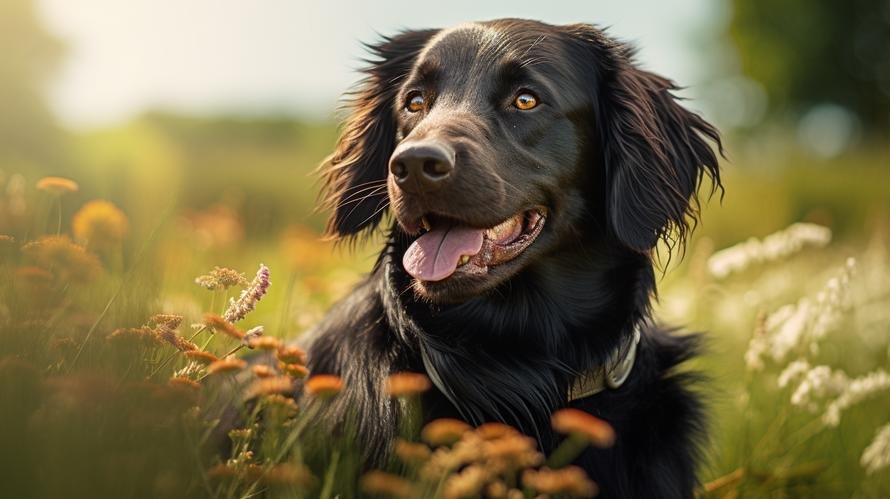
354	175
655	152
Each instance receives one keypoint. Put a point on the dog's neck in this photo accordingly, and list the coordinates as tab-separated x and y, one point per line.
475	351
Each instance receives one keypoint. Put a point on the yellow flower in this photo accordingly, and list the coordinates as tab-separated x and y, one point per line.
67	260
100	225
57	185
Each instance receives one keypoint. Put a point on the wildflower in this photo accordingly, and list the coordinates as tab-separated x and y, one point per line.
467	483
221	325
793	371
57	185
226	365
201	356
386	484
167	320
513	452
444	431
856	391
577	422
170	335
570	480
261	342
262	371
407	384
411	452
6	239
184	382
69	261
818	382
493	430
291	354
253	335
221	278
324	385
295	370
249	297
877	455
100	225
272	385
773	247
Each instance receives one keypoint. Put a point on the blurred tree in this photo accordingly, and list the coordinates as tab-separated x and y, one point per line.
811	52
30	55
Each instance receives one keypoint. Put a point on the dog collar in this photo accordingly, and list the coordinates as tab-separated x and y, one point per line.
612	374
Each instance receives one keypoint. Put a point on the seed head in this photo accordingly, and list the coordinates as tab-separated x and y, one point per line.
57	185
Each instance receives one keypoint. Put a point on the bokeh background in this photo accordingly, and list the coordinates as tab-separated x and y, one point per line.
202	121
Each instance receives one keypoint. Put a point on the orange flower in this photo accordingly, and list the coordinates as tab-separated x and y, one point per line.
324	385
264	343
57	185
493	430
226	365
291	355
579	423
201	356
262	371
99	224
570	480
386	484
184	382
295	370
406	384
67	260
411	452
444	431
271	385
217	323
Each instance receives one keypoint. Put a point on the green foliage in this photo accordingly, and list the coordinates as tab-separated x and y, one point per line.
807	53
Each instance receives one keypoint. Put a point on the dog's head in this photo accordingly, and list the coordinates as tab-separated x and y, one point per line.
495	144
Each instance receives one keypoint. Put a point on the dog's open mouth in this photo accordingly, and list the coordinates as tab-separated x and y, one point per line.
447	246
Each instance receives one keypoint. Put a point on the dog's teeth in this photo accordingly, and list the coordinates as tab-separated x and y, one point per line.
425	223
464	260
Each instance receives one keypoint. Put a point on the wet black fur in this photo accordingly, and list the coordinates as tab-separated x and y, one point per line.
635	163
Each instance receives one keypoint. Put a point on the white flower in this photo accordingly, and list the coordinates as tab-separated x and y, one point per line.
773	247
819	382
877	455
856	391
793	371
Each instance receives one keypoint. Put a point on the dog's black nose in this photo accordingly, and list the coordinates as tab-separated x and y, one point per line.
422	167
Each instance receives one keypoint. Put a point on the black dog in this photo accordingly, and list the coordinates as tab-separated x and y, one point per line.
530	170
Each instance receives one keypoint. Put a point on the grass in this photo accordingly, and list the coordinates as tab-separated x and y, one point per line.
98	401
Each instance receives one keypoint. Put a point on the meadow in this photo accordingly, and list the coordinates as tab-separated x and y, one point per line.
139	268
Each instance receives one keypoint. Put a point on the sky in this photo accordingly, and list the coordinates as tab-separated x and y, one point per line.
298	57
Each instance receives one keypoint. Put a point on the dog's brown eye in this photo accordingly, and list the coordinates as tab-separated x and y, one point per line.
415	102
525	101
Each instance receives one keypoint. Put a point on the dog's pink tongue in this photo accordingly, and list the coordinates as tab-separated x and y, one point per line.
434	255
